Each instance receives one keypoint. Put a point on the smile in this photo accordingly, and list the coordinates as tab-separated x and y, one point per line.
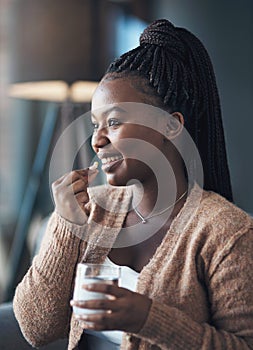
108	160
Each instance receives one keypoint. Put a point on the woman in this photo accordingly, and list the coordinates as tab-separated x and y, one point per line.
192	270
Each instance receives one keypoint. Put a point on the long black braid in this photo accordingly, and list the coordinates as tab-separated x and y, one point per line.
179	71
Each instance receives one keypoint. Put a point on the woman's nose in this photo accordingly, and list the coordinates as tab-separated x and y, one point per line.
99	138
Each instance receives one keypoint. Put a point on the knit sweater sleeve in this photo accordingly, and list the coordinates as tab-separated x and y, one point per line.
231	299
41	301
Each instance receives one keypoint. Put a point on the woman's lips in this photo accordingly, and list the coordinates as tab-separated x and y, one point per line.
110	163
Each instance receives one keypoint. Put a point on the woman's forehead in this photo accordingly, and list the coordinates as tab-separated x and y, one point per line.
116	91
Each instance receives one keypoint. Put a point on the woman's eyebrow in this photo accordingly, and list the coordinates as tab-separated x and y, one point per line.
110	110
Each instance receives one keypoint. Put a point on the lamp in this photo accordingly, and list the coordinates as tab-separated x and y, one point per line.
54	57
55	91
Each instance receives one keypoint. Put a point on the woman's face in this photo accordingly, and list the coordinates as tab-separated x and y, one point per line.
125	134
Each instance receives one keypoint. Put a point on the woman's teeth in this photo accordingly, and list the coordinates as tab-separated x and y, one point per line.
110	159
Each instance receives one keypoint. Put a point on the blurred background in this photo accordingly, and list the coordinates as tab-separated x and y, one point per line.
67	45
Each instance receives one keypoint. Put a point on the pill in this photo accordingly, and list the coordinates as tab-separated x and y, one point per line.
94	166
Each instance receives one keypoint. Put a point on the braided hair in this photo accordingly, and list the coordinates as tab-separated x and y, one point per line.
178	72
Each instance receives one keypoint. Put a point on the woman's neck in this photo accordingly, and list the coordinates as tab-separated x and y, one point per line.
153	198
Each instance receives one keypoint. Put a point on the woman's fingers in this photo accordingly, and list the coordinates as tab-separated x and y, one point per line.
74	176
99	304
71	196
127	311
100	321
111	289
82	198
79	186
86	175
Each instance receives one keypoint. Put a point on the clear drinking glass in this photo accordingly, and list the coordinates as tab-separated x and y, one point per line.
93	273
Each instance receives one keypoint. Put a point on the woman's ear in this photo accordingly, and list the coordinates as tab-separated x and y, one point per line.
174	125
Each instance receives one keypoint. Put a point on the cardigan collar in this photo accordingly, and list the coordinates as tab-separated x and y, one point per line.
109	207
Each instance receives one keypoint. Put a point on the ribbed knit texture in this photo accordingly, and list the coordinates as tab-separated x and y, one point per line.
200	278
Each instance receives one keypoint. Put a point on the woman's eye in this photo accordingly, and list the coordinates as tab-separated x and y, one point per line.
113	122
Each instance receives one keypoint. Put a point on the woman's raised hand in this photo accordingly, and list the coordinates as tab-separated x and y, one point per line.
70	194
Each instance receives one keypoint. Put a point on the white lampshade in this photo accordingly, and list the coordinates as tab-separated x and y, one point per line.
56	91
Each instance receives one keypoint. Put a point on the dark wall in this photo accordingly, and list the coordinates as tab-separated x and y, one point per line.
226	29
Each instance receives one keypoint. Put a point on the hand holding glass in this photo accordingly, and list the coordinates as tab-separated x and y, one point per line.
93	273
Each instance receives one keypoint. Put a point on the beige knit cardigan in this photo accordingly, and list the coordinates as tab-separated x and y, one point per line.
200	278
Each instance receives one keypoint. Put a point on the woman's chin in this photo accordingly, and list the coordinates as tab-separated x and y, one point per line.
114	181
